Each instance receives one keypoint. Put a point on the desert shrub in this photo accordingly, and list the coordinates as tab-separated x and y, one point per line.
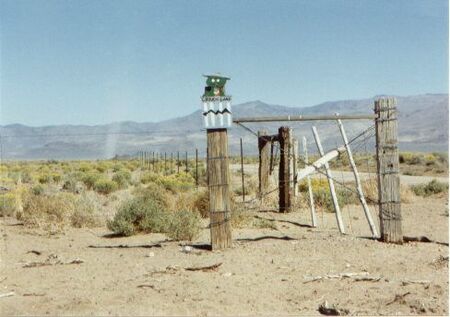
177	182
149	177
201	203
56	177
322	195
155	193
85	167
89	179
105	186
173	183
262	223
72	185
240	218
122	178
44	178
117	167
431	188
8	204
139	214
39	210
37	189
183	225
84	214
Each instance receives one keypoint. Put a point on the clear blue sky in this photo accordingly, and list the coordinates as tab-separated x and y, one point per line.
96	62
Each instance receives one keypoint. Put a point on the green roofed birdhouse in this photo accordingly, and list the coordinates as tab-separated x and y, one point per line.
216	104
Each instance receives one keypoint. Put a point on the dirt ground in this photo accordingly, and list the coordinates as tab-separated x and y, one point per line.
267	272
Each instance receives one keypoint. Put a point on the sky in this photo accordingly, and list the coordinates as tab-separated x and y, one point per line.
95	62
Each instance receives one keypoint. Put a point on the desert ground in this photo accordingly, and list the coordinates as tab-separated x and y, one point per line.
287	269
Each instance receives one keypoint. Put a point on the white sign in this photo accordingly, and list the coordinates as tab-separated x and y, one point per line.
217	112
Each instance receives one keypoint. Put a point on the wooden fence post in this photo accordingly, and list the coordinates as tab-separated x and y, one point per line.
264	161
187	165
178	162
242	171
388	171
285	195
219	188
196	168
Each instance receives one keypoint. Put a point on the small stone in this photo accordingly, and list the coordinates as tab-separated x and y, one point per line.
227	274
151	254
186	249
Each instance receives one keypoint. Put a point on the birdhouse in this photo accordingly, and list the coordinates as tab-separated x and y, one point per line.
215	85
216	104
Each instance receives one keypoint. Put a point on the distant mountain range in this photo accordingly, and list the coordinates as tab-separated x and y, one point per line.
423	126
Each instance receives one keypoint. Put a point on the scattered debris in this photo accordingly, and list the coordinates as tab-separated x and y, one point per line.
362	276
398	298
440	262
146	286
422	239
52	259
34	294
331	310
406	282
7	294
209	268
35	252
186	249
125	246
170	269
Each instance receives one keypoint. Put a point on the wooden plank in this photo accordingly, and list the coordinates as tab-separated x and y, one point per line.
337	209
285	203
310	191
304	118
219	188
324	159
263	168
389	202
361	197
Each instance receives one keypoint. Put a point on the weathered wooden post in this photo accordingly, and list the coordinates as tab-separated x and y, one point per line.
242	171
285	195
186	162
388	170
196	168
217	118
264	161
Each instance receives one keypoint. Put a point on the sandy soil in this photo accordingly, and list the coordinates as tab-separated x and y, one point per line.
267	272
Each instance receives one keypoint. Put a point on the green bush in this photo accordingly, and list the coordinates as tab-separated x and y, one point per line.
139	214
122	178
105	186
72	185
155	193
431	188
89	179
37	189
8	204
44	178
184	225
